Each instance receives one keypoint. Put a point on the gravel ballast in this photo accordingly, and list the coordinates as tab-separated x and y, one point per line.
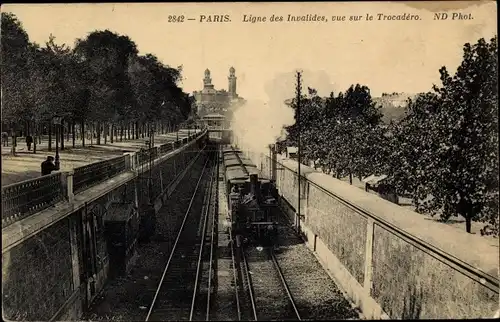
128	298
316	295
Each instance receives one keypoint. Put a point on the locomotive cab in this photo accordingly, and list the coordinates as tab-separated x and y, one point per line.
251	199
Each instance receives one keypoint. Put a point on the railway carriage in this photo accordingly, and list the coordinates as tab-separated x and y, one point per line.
251	199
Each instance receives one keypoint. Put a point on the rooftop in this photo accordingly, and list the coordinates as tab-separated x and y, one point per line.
213	115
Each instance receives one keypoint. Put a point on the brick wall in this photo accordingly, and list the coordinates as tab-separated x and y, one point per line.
392	259
38	279
37	275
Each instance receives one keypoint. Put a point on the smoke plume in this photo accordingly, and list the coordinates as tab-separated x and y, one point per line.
257	123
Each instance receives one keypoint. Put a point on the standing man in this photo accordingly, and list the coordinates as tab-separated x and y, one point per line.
5	139
29	141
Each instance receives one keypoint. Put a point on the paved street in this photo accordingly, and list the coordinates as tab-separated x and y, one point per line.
26	165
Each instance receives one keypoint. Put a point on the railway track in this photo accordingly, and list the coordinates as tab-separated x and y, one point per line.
266	295
184	290
313	288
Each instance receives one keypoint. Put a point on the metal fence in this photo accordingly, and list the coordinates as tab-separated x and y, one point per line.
95	173
165	148
145	155
25	198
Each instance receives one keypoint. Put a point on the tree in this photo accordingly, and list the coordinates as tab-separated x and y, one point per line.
15	75
89	85
448	141
357	121
412	149
343	133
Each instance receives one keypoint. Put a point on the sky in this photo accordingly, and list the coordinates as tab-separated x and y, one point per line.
387	56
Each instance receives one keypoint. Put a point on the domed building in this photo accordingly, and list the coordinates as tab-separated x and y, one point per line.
210	100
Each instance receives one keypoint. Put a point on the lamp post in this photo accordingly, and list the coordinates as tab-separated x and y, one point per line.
299	94
33	125
57	122
150	179
152	136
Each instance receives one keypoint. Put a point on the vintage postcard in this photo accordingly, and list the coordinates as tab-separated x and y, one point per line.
250	161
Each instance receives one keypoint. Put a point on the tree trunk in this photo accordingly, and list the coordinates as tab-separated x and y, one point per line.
83	133
121	133
468	223
68	124
50	137
35	134
350	178
111	138
105	131
91	125
73	132
137	130
98	133
14	141
61	137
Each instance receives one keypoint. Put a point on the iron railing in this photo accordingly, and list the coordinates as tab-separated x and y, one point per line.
145	155
92	174
21	200
165	148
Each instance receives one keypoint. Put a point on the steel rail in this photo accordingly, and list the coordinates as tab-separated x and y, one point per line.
175	244
202	244
233	257
235	274
213	239
249	282
285	284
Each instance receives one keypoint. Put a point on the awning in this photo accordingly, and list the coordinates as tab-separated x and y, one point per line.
373	179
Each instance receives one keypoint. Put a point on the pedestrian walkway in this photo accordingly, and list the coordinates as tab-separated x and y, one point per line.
26	165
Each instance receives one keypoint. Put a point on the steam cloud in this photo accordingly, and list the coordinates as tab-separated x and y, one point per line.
256	124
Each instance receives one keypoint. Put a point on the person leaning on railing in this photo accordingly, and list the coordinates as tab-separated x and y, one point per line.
48	166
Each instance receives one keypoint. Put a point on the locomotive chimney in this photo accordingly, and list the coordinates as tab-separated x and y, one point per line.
254	184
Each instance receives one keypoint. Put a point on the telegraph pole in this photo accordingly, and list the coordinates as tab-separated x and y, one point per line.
298	91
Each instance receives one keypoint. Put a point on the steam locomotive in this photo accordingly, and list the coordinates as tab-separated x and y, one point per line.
252	201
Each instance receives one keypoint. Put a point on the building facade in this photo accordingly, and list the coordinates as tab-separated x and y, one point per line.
210	100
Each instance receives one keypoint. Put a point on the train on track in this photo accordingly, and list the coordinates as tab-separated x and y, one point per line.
252	204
